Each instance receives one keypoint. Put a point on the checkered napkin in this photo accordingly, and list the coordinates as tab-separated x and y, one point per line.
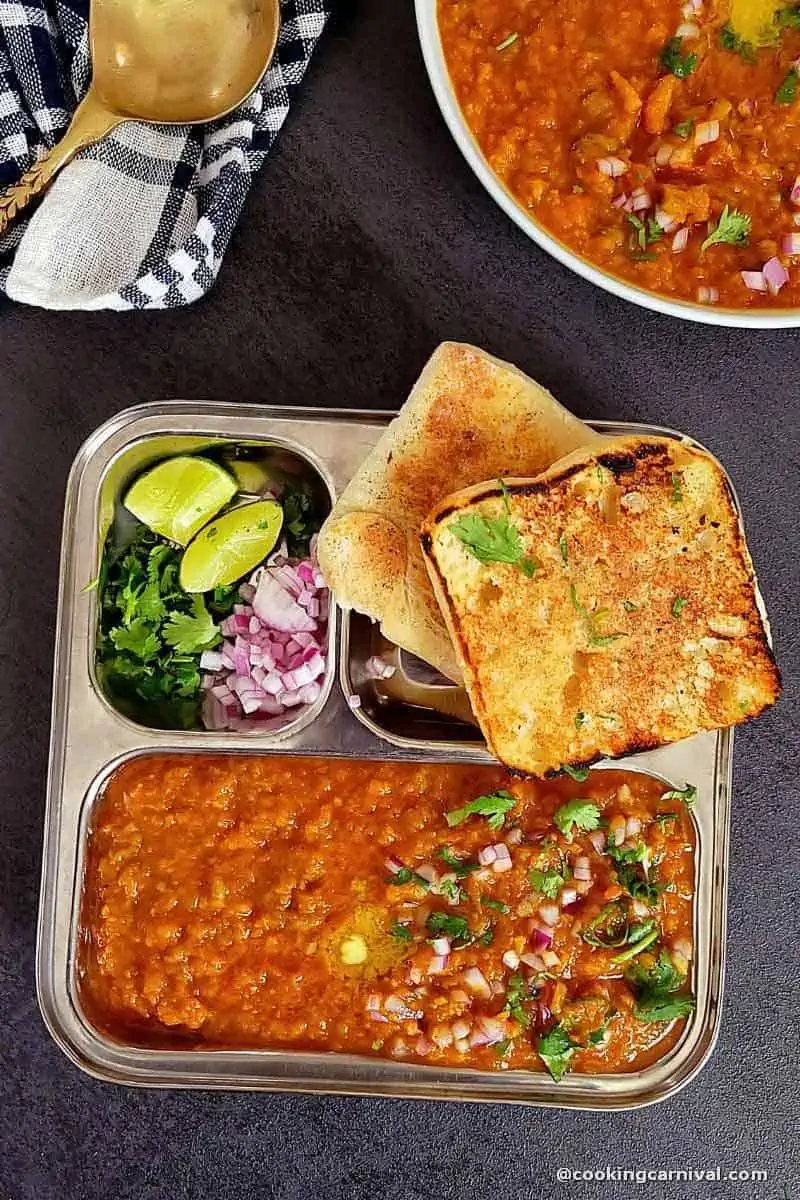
141	220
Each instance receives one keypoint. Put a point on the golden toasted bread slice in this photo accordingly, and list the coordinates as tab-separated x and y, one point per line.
469	417
622	614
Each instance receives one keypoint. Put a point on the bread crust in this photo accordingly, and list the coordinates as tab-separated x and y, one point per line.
641	624
470	416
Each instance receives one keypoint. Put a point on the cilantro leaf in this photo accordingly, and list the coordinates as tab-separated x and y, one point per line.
442	924
658	990
678	64
400	932
733	228
610	928
578	814
555	1049
787	92
683	129
138	638
301	520
579	774
729	39
677	487
631	863
687	794
406	875
507	42
458	866
789	18
547	883
490	902
518	993
645	934
191	633
493	807
678	605
492	540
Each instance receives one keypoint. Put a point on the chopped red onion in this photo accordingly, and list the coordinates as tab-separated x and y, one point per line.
437	964
487	855
620	201
502	860
549	913
533	961
664	154
687	30
460	1029
611	167
706	132
373	1002
541	939
598	839
477	982
640	199
441	946
707	295
681	240
794	194
378	1016
511	960
775	274
354	701
790	243
568	895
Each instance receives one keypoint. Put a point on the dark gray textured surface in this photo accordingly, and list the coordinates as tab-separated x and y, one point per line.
364	243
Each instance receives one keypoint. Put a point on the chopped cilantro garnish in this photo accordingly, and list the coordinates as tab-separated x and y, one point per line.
579	774
458	866
301	520
610	928
377	1045
647	935
576	814
729	39
678	64
665	818
486	937
787	92
580	719
406	875
645	233
503	1048
401	932
629	606
190	634
678	605
733	228
506	495
630	866
493	540
591	619
687	794
452	890
683	129
151	632
677	487
498	905
442	924
658	990
506	42
493	807
555	1050
518	993
789	18
547	883
562	545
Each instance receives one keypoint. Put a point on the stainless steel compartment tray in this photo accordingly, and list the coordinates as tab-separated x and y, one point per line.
89	739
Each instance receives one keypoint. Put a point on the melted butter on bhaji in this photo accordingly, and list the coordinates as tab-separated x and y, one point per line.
451	914
619	127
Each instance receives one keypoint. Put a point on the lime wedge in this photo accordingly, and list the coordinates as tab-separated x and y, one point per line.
231	546
179	496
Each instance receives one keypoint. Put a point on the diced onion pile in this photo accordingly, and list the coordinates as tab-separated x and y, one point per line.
273	656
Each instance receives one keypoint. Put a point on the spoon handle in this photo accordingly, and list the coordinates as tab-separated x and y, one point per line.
91	121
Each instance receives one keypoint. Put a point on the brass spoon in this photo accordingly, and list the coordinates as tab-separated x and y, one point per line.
172	62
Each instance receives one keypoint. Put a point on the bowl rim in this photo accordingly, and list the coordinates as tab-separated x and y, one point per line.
438	74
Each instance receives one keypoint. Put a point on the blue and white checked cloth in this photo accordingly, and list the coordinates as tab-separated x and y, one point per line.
143	219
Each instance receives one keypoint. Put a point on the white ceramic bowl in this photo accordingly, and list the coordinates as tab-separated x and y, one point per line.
776	318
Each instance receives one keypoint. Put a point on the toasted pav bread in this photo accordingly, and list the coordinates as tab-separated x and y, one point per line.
624	616
469	417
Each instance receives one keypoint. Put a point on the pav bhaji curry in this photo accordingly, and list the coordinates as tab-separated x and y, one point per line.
439	913
659	142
